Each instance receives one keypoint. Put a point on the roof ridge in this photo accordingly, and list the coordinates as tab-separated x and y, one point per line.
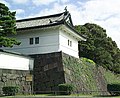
41	17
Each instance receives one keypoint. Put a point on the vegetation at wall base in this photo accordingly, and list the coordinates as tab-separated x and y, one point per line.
65	89
87	77
81	73
10	90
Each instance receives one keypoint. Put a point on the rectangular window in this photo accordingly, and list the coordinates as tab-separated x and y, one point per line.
31	41
36	40
69	43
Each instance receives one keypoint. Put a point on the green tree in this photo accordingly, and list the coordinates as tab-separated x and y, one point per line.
98	47
7	27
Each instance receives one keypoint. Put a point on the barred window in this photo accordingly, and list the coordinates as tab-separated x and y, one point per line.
31	41
36	40
69	43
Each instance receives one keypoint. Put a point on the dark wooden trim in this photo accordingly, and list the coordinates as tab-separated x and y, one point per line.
42	17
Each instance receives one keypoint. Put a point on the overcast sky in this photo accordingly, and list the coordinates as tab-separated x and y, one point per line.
105	13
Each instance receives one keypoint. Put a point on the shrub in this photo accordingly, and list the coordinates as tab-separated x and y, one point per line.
114	89
88	60
65	89
10	90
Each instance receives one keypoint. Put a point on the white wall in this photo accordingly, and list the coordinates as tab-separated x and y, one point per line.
48	41
52	39
10	61
71	50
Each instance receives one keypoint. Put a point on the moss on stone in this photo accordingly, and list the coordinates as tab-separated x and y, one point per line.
87	77
82	72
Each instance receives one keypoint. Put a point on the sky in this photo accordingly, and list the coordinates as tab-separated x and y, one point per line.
105	13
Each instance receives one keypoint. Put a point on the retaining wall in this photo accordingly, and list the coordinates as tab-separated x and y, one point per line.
17	78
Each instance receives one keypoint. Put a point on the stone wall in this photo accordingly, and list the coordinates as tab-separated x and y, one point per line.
84	74
56	68
48	72
17	78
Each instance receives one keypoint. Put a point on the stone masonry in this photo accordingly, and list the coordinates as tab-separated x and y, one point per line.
48	72
17	78
53	69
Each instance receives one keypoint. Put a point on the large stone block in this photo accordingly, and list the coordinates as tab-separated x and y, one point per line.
10	77
47	71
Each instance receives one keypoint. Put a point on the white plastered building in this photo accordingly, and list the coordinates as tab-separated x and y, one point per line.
47	34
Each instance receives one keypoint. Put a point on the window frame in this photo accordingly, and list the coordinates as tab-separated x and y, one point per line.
37	40
69	43
31	41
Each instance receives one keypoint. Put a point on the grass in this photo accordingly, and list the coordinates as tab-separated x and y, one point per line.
29	96
111	77
60	96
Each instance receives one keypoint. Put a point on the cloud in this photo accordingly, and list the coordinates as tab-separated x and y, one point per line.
6	3
56	8
64	1
47	2
20	1
101	9
19	11
42	2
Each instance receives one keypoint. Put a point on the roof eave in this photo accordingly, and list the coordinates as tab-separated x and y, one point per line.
72	28
15	53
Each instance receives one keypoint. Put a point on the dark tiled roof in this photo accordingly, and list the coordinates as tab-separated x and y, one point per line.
42	21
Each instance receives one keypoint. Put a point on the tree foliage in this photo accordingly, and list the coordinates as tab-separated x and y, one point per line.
98	47
7	27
